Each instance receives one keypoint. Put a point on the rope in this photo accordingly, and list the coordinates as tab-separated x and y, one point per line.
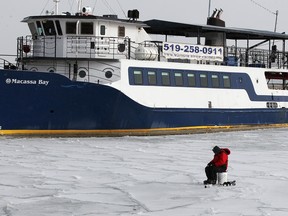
71	4
121	8
94	6
259	5
108	6
44	7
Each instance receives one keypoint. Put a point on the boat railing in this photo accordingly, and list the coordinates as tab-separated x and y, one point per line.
73	47
7	65
97	47
255	58
93	47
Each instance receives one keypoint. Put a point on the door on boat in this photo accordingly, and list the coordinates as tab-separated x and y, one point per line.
102	40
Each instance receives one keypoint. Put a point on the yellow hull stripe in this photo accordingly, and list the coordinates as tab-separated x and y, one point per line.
154	131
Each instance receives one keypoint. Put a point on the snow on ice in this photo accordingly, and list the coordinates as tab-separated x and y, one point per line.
147	176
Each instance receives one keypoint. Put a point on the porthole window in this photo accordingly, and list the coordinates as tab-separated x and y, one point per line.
34	69
121	47
108	74
82	74
51	70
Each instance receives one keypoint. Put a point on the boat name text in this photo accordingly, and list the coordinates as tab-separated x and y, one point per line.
196	52
27	82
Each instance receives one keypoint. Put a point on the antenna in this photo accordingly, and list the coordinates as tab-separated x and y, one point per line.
267	9
56	6
80	3
209	6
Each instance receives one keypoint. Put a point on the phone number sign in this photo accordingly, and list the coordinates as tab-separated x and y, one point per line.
195	52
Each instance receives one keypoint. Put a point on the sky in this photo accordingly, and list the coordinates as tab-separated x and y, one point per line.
254	14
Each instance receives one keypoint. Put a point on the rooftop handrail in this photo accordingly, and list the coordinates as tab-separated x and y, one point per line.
119	48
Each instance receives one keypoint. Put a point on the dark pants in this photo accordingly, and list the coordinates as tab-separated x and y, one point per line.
211	171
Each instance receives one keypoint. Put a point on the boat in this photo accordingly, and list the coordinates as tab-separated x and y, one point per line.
82	74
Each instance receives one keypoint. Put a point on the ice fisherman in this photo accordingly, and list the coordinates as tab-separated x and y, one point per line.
218	164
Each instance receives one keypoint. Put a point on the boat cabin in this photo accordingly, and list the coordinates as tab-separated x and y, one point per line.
80	36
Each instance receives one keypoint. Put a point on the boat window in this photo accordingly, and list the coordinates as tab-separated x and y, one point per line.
71	28
277	80
39	28
272	105
178	79
58	26
191	79
49	27
102	30
121	31
165	78
226	81
82	74
32	28
152	80
215	81
87	28
203	80
138	78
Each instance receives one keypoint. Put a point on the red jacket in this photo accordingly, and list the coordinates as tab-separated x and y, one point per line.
221	158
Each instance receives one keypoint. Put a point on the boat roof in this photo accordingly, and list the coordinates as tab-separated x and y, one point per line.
108	17
193	30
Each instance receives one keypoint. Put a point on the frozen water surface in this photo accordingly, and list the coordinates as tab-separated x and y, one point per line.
148	176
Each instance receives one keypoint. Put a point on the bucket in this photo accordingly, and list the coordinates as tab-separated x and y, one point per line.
222	177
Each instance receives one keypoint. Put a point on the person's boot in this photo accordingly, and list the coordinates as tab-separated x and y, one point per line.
209	181
206	182
213	182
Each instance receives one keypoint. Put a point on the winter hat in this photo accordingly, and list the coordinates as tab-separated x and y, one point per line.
216	149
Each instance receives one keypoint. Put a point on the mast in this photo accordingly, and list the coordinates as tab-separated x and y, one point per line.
56	6
209	6
80	2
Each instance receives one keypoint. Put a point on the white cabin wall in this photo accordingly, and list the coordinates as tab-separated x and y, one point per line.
163	96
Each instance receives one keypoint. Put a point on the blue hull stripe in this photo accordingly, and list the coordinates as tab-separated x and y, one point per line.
67	105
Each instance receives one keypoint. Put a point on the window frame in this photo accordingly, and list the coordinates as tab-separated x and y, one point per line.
165	78
203	80
225	82
152	77
121	31
47	26
86	28
102	29
178	80
215	81
193	83
137	78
